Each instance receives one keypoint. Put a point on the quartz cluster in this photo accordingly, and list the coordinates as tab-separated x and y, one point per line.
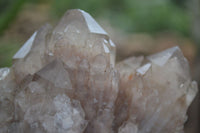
65	80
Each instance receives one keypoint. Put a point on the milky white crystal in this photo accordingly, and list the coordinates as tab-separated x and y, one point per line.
65	80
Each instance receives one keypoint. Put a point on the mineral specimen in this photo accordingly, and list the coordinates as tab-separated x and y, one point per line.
64	80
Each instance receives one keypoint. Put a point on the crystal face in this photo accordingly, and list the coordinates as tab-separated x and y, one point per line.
64	80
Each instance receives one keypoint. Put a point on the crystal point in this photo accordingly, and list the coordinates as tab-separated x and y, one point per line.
142	70
35	59
25	49
92	25
77	18
79	32
162	57
64	80
56	73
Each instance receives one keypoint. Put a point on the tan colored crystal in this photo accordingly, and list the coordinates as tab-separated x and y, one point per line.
31	57
157	93
80	34
64	80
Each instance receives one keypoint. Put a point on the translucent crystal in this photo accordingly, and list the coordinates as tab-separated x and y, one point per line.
26	48
173	55
142	70
7	89
56	74
31	57
64	80
157	95
79	33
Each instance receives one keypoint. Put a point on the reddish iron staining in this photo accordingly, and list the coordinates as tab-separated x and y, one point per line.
130	77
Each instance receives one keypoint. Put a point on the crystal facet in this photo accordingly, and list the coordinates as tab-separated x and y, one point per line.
64	80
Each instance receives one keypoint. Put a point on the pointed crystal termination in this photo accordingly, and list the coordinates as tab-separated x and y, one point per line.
80	34
175	54
25	49
56	73
64	80
31	57
90	25
162	83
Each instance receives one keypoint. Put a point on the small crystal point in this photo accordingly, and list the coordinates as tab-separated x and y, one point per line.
161	58
55	73
25	49
142	70
127	67
33	52
3	73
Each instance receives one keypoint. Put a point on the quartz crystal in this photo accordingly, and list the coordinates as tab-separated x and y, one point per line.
64	80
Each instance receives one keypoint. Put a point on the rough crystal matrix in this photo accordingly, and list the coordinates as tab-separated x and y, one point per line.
64	80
